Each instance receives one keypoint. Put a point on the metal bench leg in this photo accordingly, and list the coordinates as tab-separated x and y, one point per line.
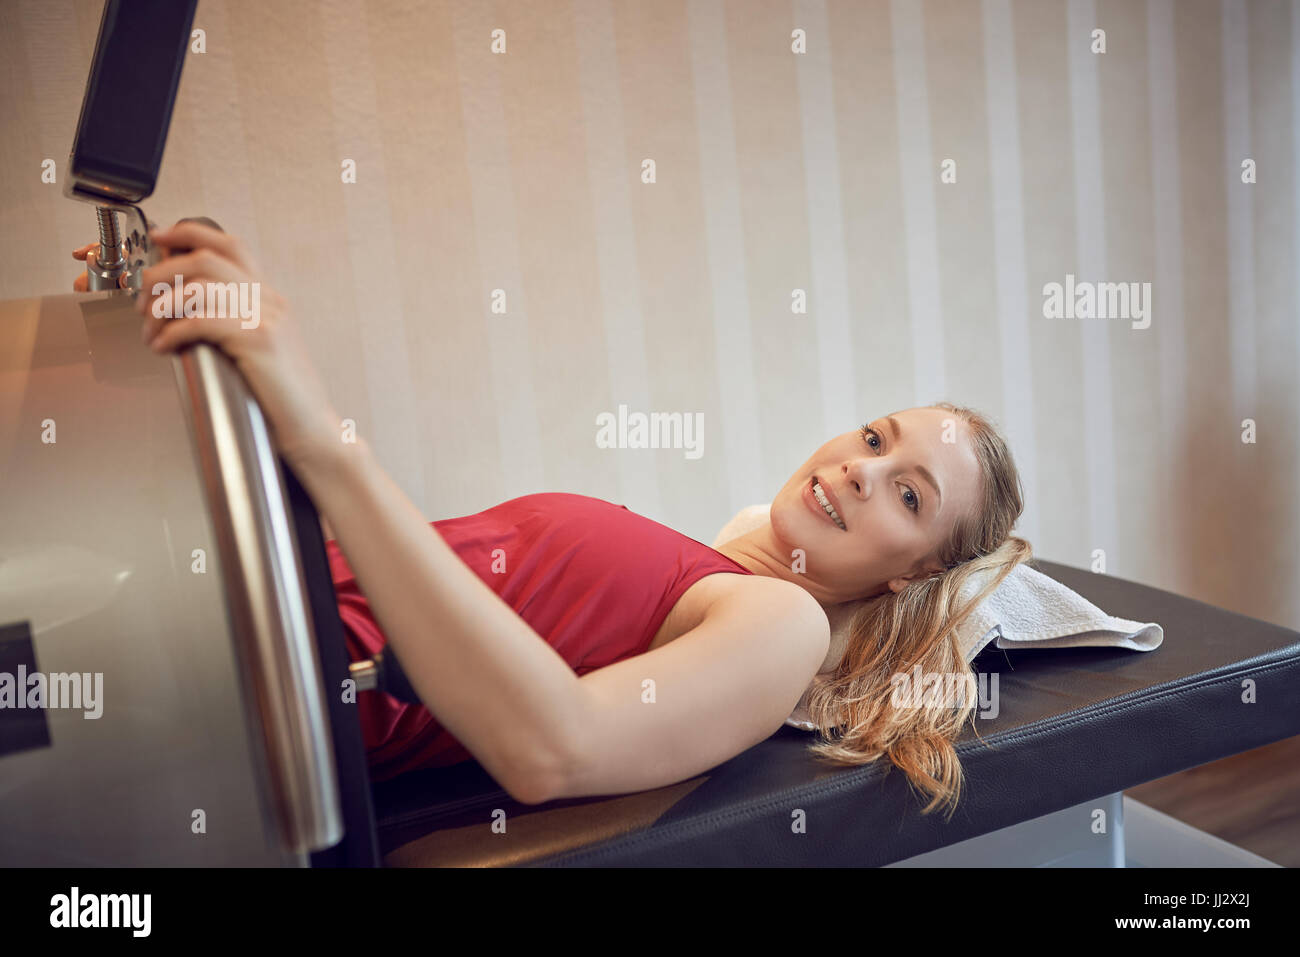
1090	834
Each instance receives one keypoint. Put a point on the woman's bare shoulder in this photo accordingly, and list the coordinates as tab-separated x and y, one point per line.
718	596
772	594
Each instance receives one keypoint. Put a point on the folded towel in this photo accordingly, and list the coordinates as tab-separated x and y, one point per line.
1028	610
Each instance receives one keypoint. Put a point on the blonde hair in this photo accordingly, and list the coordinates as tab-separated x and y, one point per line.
917	627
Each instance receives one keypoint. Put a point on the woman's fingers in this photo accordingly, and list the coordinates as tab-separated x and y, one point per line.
90	255
200	270
196	236
86	254
217	331
195	264
230	309
187	235
199	265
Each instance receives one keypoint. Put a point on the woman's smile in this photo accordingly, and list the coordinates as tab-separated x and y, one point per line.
825	509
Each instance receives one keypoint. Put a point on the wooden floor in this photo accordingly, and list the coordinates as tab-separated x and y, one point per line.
1251	799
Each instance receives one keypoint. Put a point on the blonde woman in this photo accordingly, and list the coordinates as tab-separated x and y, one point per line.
575	648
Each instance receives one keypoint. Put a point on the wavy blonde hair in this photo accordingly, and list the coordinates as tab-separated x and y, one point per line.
917	626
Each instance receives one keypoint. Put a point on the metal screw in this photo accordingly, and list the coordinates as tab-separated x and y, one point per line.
110	240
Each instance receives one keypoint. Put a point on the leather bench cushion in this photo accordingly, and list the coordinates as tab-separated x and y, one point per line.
1073	724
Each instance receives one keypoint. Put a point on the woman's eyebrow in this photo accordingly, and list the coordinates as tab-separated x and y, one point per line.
924	472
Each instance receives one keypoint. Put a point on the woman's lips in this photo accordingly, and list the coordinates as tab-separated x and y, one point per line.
831	497
811	500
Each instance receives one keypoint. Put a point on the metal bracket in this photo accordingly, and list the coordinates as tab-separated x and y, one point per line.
135	250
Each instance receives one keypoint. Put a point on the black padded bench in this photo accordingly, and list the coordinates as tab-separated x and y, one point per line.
1074	725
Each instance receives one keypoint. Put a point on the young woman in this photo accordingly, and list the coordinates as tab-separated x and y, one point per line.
574	648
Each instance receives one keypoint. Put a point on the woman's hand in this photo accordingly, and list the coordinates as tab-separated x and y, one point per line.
89	253
264	342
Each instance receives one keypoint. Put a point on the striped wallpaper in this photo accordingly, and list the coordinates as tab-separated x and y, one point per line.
501	273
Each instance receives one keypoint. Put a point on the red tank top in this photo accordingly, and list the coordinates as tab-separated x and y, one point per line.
593	579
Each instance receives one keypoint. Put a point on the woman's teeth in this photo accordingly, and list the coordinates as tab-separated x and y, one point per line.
825	503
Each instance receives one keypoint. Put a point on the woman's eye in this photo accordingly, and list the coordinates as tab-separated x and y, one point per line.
909	497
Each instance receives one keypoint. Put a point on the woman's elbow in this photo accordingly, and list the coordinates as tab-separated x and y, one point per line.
538	782
550	763
533	790
542	772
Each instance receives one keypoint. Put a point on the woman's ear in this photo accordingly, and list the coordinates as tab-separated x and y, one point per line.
928	570
898	584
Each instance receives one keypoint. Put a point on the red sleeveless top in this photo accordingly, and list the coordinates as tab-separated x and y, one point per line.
593	579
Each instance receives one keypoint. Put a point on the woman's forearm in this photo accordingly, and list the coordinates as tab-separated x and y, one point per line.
488	678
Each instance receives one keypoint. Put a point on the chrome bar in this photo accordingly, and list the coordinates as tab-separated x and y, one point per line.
266	598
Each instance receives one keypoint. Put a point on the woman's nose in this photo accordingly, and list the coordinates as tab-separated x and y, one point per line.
857	477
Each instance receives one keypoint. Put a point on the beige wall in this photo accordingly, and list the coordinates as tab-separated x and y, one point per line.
775	172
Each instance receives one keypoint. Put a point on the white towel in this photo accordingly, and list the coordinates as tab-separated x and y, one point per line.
1028	610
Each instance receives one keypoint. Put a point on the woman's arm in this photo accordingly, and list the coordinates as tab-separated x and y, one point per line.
687	706
515	703
509	697
487	676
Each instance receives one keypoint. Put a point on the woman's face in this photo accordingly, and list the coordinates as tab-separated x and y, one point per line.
897	487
